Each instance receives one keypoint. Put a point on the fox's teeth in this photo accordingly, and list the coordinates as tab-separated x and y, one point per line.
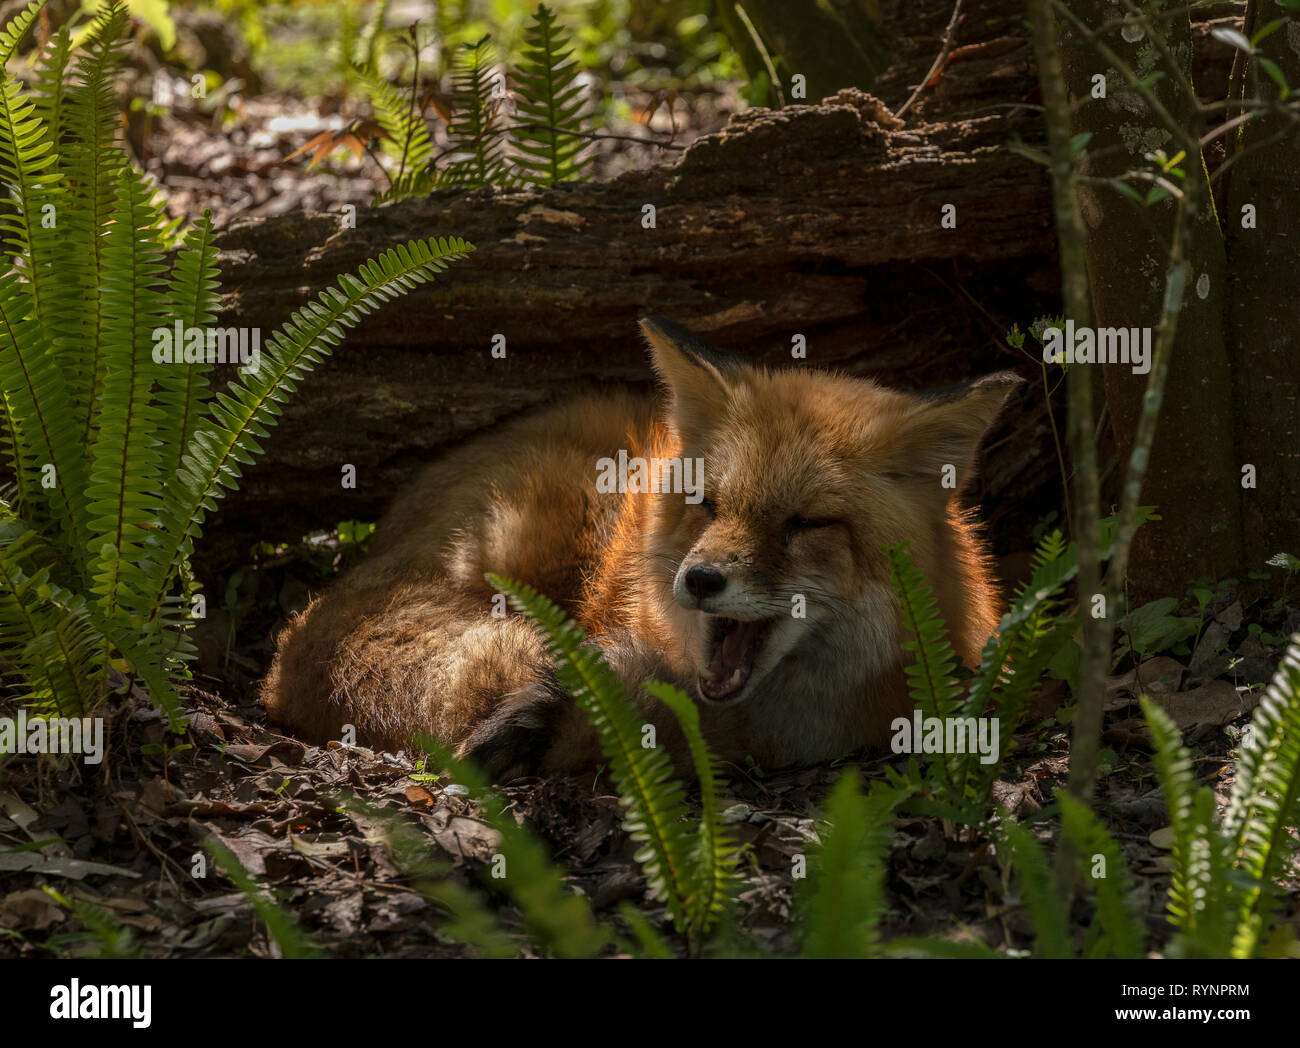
735	677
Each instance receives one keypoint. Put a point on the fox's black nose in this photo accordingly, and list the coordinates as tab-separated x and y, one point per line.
704	580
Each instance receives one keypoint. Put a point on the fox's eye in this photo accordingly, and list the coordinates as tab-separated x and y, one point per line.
710	507
795	524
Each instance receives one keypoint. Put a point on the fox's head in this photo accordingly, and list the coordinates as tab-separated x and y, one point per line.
779	577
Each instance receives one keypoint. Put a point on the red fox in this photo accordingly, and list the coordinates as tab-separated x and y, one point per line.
728	537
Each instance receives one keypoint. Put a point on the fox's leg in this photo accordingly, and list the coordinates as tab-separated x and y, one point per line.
540	729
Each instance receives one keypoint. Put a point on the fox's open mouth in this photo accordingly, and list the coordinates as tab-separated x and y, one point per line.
734	647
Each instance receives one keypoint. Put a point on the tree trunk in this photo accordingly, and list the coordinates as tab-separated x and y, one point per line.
1192	476
1262	222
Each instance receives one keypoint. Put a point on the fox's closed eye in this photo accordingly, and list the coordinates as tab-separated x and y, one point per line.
795	524
709	506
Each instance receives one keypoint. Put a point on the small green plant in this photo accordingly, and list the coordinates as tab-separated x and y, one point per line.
693	873
1116	929
547	133
1152	628
1013	661
1031	637
547	136
103	937
1224	893
1289	564
120	442
844	897
405	138
475	133
284	931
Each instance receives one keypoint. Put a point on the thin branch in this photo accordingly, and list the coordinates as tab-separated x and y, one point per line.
1085	527
948	35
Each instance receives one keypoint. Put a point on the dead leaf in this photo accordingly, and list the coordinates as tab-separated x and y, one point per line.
245	847
1163	837
158	795
30	910
1154	676
58	866
463	837
284	749
1214	703
324	846
1230	617
417	794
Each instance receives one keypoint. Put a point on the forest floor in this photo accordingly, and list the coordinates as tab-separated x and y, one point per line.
123	842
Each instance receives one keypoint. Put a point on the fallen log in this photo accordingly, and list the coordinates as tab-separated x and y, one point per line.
822	221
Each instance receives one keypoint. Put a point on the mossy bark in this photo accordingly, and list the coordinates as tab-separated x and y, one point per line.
1191	475
1262	227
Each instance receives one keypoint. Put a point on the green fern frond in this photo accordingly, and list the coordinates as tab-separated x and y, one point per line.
51	82
1264	809
369	38
559	919
192	298
651	793
16	28
117	456
1042	891
474	135
1199	887
1013	662
1121	930
93	163
931	679
406	137
549	118
46	631
41	429
1174	771
717	852
844	897
28	167
227	437
125	469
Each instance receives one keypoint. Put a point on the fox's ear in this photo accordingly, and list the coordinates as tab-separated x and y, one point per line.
697	376
944	429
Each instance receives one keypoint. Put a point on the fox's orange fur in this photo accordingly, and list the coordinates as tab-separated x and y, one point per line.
808	477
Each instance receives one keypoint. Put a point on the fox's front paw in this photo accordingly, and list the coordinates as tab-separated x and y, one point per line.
515	737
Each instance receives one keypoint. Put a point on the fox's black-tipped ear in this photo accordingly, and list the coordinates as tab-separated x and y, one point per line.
694	373
668	336
946	426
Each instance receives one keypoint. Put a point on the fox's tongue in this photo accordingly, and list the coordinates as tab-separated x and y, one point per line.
735	647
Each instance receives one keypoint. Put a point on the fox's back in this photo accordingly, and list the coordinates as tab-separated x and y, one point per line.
520	501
